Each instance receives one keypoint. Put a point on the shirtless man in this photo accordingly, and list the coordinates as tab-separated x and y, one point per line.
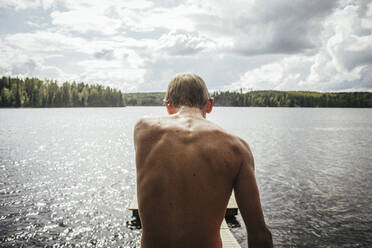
187	168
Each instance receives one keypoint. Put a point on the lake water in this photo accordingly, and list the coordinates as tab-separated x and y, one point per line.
68	175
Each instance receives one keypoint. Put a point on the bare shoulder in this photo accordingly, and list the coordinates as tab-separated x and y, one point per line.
145	123
145	127
238	141
240	148
238	144
246	152
141	125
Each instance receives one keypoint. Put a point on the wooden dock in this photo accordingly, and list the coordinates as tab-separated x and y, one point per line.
228	240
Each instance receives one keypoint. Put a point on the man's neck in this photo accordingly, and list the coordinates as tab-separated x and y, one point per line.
193	112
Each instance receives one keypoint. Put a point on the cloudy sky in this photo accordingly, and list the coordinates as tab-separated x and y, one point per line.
318	45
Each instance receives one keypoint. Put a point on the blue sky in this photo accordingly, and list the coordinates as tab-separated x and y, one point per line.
140	45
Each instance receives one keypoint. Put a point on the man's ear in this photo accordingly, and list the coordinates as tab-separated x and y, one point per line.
209	105
171	109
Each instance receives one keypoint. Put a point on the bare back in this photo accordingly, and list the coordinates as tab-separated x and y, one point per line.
186	170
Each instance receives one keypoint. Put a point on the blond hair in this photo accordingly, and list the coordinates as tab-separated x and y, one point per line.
187	89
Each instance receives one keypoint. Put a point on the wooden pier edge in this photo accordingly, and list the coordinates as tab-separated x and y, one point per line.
228	239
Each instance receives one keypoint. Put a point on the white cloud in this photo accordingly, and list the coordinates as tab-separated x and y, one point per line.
114	73
19	4
341	63
140	44
86	20
29	4
30	54
284	74
16	63
259	27
181	43
148	19
43	41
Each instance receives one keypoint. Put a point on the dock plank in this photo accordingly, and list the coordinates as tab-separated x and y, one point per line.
232	202
228	239
133	204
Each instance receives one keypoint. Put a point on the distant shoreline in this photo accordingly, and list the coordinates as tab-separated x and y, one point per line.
267	98
35	93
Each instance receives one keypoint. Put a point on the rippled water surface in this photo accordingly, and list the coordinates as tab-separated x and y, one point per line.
68	175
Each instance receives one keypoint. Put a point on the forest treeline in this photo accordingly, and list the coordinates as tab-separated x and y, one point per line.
33	92
268	98
145	99
272	98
